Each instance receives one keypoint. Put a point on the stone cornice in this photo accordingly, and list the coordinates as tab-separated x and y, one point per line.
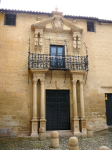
106	86
77	72
71	25
38	70
41	24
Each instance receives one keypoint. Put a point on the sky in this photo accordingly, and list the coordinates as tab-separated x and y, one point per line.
101	9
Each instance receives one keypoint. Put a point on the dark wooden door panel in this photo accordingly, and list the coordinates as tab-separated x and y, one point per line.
57	110
109	109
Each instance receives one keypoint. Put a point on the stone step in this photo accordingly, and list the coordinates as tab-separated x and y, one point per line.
61	133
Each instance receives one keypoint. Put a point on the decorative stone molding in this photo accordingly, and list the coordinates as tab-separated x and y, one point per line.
76	42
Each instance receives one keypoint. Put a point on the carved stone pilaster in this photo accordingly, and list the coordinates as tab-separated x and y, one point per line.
76	42
38	39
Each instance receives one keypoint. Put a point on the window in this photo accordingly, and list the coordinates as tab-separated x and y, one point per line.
57	57
10	19
90	26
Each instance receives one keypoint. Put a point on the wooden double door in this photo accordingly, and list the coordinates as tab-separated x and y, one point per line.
57	110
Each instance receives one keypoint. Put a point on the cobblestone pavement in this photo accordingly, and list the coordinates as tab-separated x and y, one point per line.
101	138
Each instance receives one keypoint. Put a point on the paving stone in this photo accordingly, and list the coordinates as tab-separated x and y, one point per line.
102	138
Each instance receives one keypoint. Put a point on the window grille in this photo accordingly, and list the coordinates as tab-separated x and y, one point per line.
10	19
90	27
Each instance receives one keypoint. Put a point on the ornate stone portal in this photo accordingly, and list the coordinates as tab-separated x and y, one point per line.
55	31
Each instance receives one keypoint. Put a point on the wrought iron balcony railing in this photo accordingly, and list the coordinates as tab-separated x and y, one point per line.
45	61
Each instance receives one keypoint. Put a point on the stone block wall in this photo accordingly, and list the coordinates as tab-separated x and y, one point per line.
16	94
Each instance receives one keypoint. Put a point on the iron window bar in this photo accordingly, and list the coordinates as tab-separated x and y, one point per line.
10	19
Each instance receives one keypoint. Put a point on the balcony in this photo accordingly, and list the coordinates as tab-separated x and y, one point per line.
46	61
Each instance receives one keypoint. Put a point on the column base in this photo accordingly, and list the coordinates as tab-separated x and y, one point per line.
43	123
83	125
34	135
34	128
75	123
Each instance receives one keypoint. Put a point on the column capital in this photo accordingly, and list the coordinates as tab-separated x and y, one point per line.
35	80
42	81
74	81
81	81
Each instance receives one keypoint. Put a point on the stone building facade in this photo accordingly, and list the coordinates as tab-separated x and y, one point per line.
55	72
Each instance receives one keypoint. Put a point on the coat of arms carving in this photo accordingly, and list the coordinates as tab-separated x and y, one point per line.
57	23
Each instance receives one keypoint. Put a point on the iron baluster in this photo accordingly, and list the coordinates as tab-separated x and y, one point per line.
55	62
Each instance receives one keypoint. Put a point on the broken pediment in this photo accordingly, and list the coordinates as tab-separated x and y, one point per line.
57	22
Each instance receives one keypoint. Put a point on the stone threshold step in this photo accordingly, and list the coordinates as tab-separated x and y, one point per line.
61	133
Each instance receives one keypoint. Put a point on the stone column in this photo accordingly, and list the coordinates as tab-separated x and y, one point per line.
82	99
83	120
74	99
42	105
34	121
75	116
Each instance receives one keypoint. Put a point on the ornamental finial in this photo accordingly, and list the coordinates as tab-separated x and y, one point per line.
56	8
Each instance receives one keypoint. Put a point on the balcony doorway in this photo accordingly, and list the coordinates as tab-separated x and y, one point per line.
57	57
